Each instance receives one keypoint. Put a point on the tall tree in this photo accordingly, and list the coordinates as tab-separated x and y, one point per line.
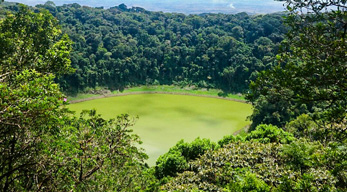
33	41
42	147
94	154
313	67
30	102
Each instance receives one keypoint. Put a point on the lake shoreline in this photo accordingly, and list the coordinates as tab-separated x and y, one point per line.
154	92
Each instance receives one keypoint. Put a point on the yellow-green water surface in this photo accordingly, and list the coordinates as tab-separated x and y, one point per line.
165	119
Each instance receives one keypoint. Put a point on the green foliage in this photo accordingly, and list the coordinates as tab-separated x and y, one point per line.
122	47
311	75
216	169
43	148
270	134
302	126
305	126
176	160
305	184
273	107
31	103
148	182
247	182
170	164
301	154
321	178
306	94
191	151
247	166
33	41
30	110
336	158
229	139
309	158
98	155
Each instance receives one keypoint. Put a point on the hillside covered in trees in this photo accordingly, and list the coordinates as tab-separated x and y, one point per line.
298	137
120	47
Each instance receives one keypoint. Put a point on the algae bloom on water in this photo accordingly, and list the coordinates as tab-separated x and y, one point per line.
166	119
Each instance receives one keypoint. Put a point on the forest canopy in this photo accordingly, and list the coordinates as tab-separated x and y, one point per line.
298	86
121	47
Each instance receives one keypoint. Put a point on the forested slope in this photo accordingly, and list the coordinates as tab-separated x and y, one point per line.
305	96
121	47
45	148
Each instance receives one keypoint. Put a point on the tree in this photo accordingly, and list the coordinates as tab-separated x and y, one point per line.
30	110
94	154
33	41
176	159
30	101
254	166
43	147
269	134
144	47
311	76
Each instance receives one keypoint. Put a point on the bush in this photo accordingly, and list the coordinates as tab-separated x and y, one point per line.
176	160
229	139
170	164
270	134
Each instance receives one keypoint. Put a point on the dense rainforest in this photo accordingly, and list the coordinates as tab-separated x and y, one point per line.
295	66
120	47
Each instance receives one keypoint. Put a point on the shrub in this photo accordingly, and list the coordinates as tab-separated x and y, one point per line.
270	134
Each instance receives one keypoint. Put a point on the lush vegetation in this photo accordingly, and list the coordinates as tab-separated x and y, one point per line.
304	97
120	47
163	115
313	78
44	148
